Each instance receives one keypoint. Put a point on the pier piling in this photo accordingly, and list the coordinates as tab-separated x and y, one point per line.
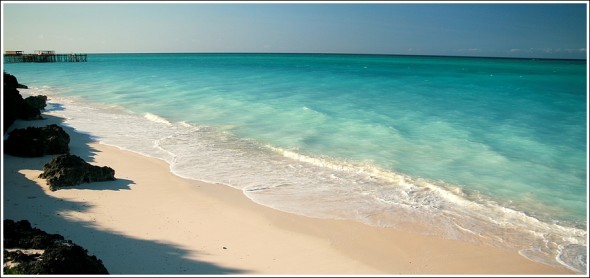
43	57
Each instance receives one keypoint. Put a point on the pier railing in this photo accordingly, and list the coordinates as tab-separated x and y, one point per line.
44	58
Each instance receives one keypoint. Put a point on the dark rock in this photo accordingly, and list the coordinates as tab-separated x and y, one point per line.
37	141
21	235
69	170
68	259
28	112
38	102
12	81
12	100
59	256
13	106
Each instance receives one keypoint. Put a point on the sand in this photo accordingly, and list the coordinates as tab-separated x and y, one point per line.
150	221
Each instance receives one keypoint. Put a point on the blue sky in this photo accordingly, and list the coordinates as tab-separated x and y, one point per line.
540	30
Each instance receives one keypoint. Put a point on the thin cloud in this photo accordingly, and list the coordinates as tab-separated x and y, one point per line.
558	50
470	49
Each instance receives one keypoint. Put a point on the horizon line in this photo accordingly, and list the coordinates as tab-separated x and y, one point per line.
347	53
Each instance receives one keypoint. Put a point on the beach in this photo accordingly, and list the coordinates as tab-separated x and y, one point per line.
150	221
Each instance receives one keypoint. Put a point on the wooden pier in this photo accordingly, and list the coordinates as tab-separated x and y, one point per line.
42	57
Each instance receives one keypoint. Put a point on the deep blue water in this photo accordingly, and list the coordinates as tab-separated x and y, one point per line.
478	149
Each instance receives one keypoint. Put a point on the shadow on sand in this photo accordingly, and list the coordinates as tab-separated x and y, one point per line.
25	199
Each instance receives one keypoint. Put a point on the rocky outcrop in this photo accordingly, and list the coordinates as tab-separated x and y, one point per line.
69	170
29	250
14	106
38	101
37	141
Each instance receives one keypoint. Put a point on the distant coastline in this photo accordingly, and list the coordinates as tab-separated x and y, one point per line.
339	54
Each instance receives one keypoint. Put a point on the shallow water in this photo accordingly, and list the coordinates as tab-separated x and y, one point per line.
477	149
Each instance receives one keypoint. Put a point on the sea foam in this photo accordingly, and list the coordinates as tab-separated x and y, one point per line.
483	150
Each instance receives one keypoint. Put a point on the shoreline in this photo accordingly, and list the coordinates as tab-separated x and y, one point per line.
150	221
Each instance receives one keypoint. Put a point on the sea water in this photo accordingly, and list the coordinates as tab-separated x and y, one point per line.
485	150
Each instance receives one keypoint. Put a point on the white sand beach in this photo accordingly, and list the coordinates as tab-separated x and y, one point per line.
150	221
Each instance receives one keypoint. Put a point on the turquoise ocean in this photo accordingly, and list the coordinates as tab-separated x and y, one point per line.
485	150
